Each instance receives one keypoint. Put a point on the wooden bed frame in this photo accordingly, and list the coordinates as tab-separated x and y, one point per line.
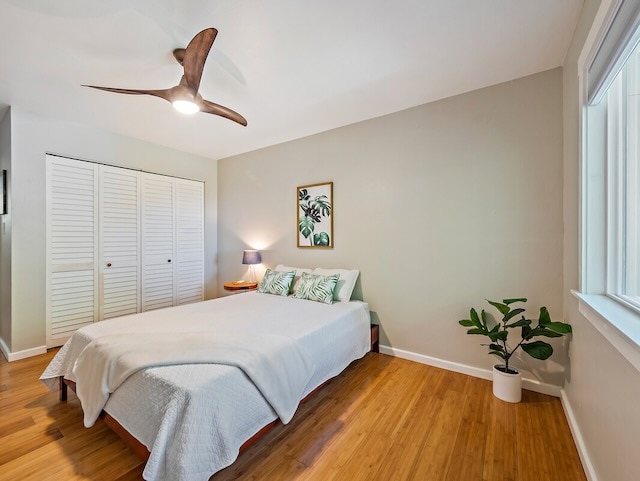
142	451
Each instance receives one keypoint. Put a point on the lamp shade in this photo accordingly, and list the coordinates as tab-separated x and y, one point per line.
251	257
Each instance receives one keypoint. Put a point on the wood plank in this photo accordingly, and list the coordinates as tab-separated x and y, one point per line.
470	441
501	450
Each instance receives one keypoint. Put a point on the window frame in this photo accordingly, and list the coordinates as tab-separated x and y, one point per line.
617	319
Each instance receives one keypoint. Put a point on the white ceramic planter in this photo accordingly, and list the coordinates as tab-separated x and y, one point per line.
507	387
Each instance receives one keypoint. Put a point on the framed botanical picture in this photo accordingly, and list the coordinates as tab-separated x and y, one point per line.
315	215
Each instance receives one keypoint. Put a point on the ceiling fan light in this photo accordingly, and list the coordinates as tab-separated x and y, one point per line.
186	106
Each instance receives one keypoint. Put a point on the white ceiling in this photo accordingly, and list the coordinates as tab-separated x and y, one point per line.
291	67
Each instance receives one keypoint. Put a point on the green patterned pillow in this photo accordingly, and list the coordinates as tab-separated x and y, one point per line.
316	288
277	283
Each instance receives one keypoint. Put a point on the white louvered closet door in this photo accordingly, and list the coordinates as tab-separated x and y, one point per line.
189	240
158	243
72	230
119	242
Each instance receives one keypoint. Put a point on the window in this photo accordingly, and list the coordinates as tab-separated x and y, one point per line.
623	183
611	171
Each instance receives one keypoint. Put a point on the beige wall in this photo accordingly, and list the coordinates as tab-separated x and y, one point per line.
32	137
439	206
5	236
602	389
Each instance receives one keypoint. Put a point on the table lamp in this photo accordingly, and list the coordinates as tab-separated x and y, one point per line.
251	258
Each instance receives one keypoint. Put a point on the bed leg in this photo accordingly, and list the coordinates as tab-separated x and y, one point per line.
375	338
63	389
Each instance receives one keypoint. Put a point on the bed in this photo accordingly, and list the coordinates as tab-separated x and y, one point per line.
195	412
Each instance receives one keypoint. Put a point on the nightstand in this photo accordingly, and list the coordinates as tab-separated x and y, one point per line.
240	286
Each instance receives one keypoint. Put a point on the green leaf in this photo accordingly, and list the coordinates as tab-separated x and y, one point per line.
521	323
545	318
503	308
496	347
322	204
542	331
306	226
474	318
486	320
538	349
510	315
511	301
477	331
321	239
498	336
559	327
466	323
526	331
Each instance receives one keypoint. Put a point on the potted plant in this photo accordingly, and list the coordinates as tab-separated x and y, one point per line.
506	379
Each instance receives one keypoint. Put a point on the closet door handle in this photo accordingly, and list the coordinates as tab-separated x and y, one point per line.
108	264
168	260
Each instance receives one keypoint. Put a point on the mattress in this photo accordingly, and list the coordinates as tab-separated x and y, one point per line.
193	418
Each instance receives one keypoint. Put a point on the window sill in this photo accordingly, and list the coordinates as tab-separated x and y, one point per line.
619	325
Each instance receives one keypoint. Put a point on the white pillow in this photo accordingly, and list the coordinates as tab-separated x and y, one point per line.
345	285
296	279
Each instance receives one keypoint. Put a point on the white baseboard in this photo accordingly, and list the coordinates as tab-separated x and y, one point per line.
530	384
589	471
16	356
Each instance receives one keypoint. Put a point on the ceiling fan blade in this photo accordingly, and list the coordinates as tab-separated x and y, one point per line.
195	56
215	109
163	94
192	59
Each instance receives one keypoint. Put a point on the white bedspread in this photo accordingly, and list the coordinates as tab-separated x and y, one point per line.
275	364
193	418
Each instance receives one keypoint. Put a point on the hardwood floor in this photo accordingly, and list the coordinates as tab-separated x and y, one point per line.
383	419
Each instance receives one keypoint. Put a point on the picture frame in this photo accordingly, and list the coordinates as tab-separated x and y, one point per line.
3	192
315	215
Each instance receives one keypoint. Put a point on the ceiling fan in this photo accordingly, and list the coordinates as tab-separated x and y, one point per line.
184	96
